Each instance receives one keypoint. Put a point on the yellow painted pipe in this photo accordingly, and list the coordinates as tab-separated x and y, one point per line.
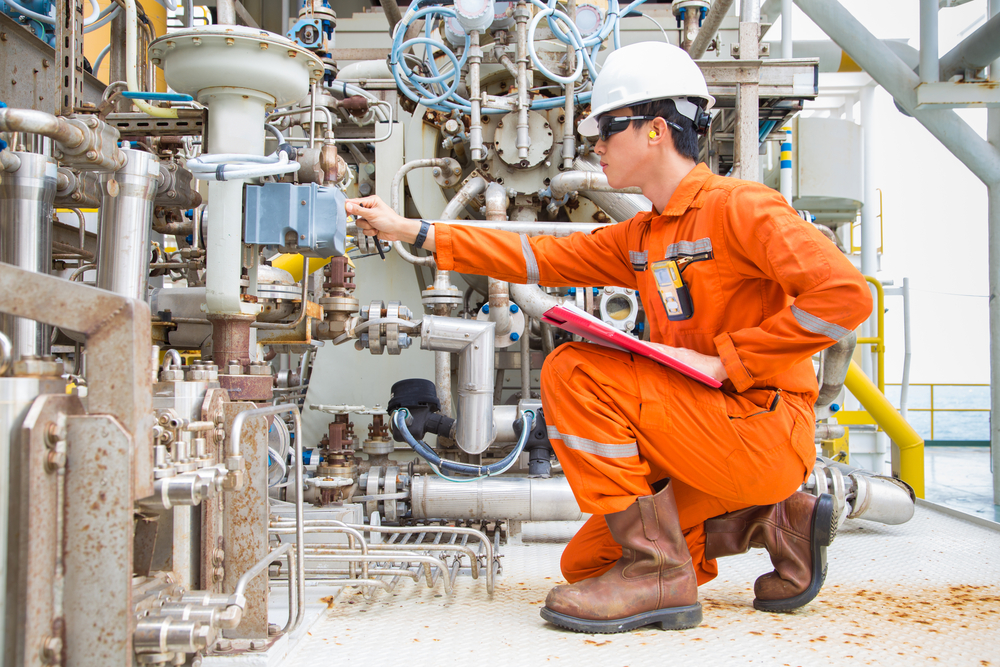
909	464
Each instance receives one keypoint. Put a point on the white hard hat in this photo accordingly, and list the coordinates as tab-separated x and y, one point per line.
644	72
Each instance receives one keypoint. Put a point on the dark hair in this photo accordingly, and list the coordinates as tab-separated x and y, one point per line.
685	141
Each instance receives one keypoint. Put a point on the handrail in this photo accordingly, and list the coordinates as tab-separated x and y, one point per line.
879	339
933	408
909	464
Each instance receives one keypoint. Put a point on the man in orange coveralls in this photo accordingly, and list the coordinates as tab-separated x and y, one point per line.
675	473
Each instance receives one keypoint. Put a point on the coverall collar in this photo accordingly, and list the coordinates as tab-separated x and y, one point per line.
686	191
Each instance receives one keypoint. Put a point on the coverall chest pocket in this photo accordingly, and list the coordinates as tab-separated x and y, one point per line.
704	284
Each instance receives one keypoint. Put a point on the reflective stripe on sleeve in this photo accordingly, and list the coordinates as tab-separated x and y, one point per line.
530	264
688	248
816	325
608	451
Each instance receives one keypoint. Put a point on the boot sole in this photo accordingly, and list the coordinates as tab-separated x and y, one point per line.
824	530
675	618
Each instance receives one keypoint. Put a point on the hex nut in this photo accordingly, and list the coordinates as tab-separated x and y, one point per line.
172	375
258	368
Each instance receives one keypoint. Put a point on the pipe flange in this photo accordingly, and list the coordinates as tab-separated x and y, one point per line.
516	326
431	297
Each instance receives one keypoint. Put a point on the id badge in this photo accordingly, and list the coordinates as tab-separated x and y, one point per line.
673	292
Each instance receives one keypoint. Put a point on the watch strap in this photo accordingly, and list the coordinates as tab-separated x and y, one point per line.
425	227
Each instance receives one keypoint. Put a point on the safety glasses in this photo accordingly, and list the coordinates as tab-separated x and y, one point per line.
608	125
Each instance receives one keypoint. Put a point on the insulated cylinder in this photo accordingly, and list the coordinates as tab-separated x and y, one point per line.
514	498
125	219
26	197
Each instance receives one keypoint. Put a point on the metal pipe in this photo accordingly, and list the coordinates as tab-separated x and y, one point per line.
929	68
234	461
786	29
529	228
523	140
392	14
396	199
908	446
497	202
532	300
835	361
515	498
585	180
472	189
189	17
225	12
125	220
526	360
618	206
475	99
26	198
473	341
710	27
39	122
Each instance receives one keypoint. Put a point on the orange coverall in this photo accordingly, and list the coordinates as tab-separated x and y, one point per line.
768	290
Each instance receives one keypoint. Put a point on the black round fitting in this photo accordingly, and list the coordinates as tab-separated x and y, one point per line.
413	393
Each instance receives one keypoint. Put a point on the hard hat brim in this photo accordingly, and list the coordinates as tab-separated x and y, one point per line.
588	126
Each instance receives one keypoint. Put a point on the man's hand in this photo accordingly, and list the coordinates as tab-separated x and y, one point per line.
373	216
710	366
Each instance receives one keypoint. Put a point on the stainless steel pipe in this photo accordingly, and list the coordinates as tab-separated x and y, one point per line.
126	216
26	198
515	498
473	341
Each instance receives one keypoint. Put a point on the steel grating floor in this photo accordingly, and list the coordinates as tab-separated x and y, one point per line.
927	592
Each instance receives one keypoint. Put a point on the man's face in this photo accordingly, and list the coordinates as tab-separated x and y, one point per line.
622	153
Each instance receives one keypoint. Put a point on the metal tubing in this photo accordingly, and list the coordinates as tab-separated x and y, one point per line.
907	445
786	29
396	200
234	451
526	360
125	220
497	202
835	361
473	341
619	206
710	27
532	300
592	181
515	498
529	228
472	189
26	198
225	12
39	122
929	68
523	140
881	499
475	99
900	81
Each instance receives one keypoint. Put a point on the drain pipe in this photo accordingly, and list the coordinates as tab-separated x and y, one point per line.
473	341
523	142
499	297
475	99
516	498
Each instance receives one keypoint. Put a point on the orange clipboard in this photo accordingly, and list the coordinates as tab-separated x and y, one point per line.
581	323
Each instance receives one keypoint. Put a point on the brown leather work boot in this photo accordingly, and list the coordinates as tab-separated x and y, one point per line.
795	532
652	583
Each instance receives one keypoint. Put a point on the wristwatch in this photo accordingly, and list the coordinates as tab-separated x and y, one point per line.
422	234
